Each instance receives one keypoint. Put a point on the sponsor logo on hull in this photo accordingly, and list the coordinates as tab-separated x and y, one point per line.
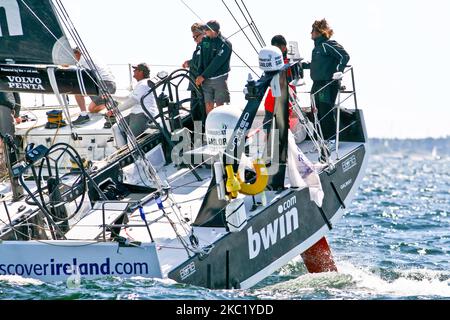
25	83
349	163
274	231
187	271
346	184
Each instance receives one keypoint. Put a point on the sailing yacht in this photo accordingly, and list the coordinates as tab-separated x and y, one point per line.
222	214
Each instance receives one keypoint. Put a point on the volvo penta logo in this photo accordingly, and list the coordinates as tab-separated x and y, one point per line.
25	83
276	230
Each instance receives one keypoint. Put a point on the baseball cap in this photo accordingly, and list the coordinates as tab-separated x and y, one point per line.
142	67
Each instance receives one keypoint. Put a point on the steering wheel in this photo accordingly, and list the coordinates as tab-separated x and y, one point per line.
170	93
61	188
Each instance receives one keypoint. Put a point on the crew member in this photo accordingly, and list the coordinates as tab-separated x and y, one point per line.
215	56
328	63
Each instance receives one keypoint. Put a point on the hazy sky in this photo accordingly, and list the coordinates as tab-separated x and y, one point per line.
400	49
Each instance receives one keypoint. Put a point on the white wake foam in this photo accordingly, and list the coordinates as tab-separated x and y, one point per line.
18	280
415	282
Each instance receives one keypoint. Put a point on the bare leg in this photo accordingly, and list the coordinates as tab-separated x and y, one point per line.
96	108
81	102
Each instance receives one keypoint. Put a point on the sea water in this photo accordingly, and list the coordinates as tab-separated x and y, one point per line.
393	243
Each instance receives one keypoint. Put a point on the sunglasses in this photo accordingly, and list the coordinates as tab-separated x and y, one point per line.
196	36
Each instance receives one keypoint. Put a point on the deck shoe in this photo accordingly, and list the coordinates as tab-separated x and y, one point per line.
110	121
81	120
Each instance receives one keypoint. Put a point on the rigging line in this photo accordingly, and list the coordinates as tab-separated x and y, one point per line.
45	26
182	222
257	34
190	9
239	25
252	25
239	57
235	33
253	22
29	224
188	172
110	102
121	123
177	233
256	30
68	24
62	13
248	66
66	21
303	118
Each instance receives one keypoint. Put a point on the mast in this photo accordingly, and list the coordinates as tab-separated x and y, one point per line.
210	214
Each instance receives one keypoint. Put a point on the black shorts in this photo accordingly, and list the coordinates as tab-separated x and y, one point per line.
99	100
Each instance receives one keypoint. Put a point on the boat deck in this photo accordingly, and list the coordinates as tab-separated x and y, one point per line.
189	194
187	191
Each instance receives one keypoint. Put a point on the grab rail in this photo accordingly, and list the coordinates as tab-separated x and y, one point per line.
104	203
338	104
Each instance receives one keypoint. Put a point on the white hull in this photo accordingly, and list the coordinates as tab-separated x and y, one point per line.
58	260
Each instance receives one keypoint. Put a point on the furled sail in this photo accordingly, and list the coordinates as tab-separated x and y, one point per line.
35	53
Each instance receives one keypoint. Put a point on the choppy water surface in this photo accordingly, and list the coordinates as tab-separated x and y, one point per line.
393	243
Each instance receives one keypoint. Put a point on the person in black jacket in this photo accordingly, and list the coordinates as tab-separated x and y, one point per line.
198	33
9	112
197	109
328	63
214	66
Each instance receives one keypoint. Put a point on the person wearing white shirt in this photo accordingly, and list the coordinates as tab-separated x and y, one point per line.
98	102
137	119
